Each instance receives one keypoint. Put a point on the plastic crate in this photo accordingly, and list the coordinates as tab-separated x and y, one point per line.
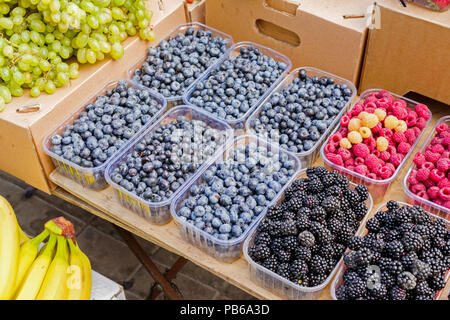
94	178
284	287
181	28
159	212
377	188
308	157
428	205
232	53
230	250
431	4
338	280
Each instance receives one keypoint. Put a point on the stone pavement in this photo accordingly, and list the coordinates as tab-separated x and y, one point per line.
107	252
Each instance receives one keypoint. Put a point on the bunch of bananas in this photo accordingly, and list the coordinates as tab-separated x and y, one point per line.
58	271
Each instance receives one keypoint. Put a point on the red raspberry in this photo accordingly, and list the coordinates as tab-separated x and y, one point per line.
403	147
334	139
386	132
385	155
446	141
385	94
446	154
385	172
410	135
329	148
446	204
345	120
370	143
438	148
428	184
392	150
343	131
433	192
444	183
351	168
391	166
417	131
436	175
344	153
370	108
428	165
361	169
419	159
423	194
349	162
437	140
360	150
376	153
399	137
439	202
416	188
422	174
412	177
431	156
383	103
400	103
373	176
335	158
442	128
397	159
444	194
359	161
428	148
443	164
370	98
411	119
399	111
373	163
357	109
377	128
422	111
421	123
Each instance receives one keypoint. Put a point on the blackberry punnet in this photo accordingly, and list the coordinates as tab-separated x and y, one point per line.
408	246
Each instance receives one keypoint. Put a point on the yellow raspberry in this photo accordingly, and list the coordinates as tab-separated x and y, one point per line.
354	124
362	114
391	122
382	144
370	120
354	137
345	143
365	132
401	126
380	113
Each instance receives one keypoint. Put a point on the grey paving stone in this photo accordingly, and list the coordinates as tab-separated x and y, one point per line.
108	256
13	193
105	227
33	213
6	176
131	296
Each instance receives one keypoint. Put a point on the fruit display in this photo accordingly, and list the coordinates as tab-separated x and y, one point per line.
172	66
430	178
232	89
304	235
38	37
376	135
57	270
403	256
299	114
436	5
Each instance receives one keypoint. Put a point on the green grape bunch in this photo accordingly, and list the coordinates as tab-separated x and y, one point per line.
42	41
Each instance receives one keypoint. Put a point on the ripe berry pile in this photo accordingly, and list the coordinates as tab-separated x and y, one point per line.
300	114
303	238
376	135
431	178
105	125
232	89
404	256
166	158
175	63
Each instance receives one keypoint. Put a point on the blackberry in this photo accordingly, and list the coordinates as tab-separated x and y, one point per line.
364	257
348	217
384	263
329	179
412	241
299	184
288	227
392	235
339	250
325	236
373	225
283	270
349	275
331	204
406	280
429	296
422	230
303	253
421	270
317	279
341	293
316	171
388	279
352	196
306	239
314	185
271	263
345	204
392	205
389	221
315	249
356	288
327	251
289	215
264	225
422	288
342	181
378	245
318	265
302	281
395	267
360	210
437	283
363	192
290	243
409	260
394	249
397	293
334	191
438	243
318	214
403	215
274	228
311	201
283	255
351	259
290	192
259	252
406	227
334	225
295	204
298	269
379	291
263	238
276	245
302	222
274	213
345	234
419	216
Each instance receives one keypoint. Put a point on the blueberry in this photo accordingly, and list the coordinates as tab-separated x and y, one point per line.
56	139
225	228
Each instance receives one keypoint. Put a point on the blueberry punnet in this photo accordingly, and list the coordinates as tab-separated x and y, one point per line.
235	191
166	158
232	89
175	63
297	116
105	125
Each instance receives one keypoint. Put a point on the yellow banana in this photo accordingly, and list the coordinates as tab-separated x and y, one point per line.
27	254
22	236
9	249
34	278
54	286
80	279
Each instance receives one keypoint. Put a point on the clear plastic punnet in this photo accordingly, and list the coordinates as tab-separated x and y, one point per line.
282	286
176	100
308	157
377	188
159	212
223	250
94	178
428	205
232	53
338	280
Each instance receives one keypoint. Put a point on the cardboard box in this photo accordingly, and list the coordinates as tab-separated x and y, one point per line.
196	11
21	134
409	52
310	32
